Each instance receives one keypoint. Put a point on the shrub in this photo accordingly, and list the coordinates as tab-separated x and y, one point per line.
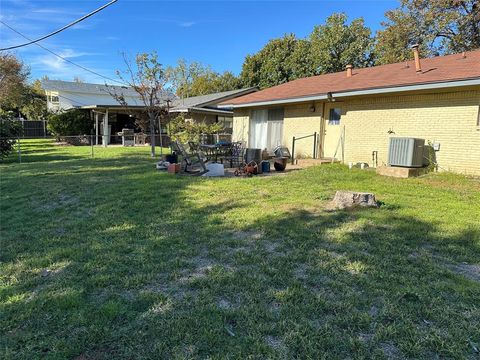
70	123
9	131
185	131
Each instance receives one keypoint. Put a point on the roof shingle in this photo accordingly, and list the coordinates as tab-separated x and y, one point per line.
434	70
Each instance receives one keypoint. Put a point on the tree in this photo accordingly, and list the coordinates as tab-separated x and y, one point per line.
13	76
338	44
10	130
194	79
185	131
329	48
440	26
149	80
274	64
34	102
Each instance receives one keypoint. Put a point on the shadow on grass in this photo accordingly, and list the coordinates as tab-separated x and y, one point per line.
137	268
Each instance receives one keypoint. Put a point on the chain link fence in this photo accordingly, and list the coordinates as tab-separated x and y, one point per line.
34	149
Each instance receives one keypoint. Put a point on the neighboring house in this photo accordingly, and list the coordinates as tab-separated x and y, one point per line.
65	95
205	108
358	110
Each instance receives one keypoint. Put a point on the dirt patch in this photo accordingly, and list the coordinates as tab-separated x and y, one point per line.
248	235
470	271
390	351
276	344
301	272
365	338
224	304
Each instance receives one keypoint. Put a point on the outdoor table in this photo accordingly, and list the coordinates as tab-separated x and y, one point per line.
214	151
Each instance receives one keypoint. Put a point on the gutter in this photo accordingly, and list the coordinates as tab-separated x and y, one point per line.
385	90
222	111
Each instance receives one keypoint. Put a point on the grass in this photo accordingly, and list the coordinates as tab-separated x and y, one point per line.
107	258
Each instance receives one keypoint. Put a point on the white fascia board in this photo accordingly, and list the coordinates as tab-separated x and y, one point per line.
277	102
201	110
442	85
431	86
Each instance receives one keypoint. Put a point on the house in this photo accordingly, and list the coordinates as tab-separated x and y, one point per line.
356	111
205	109
97	98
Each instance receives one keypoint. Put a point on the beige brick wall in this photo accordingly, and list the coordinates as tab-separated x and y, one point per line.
448	118
299	120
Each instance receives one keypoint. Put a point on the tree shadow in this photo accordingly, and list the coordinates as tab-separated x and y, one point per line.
139	266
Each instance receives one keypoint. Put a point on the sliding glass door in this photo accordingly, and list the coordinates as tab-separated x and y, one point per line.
266	129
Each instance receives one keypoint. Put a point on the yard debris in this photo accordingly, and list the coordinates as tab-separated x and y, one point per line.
229	331
46	272
351	199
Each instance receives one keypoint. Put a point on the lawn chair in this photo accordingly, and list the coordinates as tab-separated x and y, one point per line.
190	161
236	155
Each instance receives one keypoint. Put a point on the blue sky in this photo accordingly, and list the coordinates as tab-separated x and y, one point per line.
217	33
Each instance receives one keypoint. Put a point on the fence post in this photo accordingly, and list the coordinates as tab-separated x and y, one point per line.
19	150
315	145
91	144
293	150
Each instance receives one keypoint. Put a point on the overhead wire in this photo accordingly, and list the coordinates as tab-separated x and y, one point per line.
61	29
62	57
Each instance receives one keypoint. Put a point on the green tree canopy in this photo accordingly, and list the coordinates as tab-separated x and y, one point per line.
439	26
329	48
13	77
194	79
34	102
337	44
274	64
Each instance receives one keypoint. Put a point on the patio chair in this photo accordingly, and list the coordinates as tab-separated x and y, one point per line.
235	154
190	161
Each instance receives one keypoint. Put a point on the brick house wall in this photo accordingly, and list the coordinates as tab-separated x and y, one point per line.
448	118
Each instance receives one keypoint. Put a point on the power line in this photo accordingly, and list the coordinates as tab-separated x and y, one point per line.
61	57
61	29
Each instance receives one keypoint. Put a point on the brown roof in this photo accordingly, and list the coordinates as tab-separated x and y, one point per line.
434	70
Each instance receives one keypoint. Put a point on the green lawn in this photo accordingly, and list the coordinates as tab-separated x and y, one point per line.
106	258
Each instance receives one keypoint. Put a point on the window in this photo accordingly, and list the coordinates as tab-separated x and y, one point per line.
227	123
53	97
335	115
266	128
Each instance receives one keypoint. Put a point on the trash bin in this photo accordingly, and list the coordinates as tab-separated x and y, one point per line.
254	155
280	163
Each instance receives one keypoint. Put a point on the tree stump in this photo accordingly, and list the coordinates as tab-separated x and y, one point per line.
351	199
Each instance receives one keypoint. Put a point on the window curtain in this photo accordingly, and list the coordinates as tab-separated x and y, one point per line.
258	129
275	128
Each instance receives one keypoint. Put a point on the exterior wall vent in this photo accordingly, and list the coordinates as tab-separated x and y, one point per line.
407	152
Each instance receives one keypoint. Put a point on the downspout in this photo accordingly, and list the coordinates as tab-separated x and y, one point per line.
322	132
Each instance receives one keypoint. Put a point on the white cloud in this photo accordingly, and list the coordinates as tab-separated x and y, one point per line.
187	24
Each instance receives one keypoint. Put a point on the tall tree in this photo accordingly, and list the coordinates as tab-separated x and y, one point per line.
337	44
149	80
440	26
275	63
193	79
34	103
13	77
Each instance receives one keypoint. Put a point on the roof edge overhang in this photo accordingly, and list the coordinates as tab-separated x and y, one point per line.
240	92
222	111
360	92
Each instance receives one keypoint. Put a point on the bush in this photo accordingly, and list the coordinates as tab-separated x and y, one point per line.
10	130
185	131
70	123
